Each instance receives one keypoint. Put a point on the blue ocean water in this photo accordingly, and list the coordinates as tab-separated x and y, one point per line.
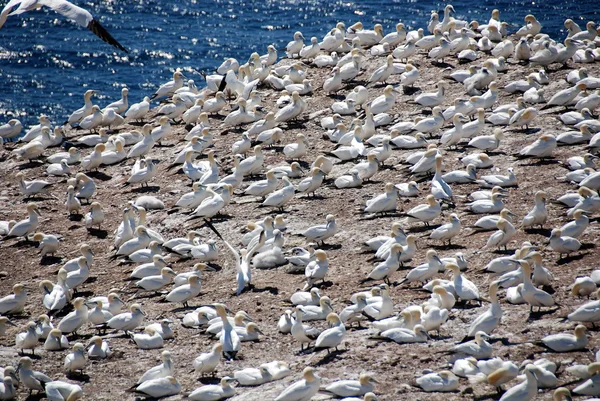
47	62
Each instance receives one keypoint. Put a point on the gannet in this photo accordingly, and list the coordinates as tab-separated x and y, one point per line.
185	292
165	369
538	215
583	286
317	269
424	213
44	327
424	271
320	233
432	99
55	296
99	316
197	269
77	14
575	228
592	385
463	287
590	33
280	197
352	388
94	159
33	187
92	140
32	380
506	231
11	129
98	348
214	392
418	334
63	391
563	244
73	156
490	181
127	321
489	142
447	231
438	382
75	361
76	319
408	49
27	339
533	296
160	387
564	342
156	282
229	338
207	362
36	130
56	341
94	217
138	110
59	169
150	339
489	320
92	121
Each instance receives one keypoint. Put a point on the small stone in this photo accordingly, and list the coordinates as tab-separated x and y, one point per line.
3	274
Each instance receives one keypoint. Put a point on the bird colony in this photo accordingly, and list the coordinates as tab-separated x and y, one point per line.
362	216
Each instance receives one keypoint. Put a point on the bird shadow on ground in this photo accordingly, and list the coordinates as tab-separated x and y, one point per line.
99	175
23	243
215	266
526	130
80	377
572	258
324	284
422	228
312	197
150	188
32	164
504	251
540	231
272	290
75	217
209	380
541	162
181	308
102	234
297	124
85	294
442	64
466	305
375	216
50	260
328	247
36	199
449	247
410	90
74	227
538	314
30	355
329	357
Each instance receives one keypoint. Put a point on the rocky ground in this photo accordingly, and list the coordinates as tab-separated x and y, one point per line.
396	366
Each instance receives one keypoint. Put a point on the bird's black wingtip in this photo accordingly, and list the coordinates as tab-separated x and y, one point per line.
103	34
